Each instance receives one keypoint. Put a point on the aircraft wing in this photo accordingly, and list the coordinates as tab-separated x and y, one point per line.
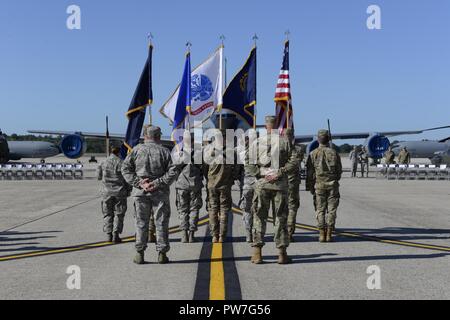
167	141
365	135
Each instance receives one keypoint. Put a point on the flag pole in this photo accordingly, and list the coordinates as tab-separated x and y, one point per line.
107	137
222	39
188	115
255	39
150	45
288	104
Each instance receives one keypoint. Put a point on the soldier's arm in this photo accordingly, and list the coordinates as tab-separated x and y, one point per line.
339	166
129	171
99	172
291	164
310	175
172	173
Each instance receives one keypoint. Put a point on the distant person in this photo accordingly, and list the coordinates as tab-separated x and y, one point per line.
324	171
389	156
404	157
353	156
114	193
364	161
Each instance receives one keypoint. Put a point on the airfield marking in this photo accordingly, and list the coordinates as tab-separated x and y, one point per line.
370	238
83	247
48	215
217	277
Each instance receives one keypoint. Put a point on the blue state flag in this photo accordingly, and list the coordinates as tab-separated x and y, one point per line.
183	106
240	96
143	97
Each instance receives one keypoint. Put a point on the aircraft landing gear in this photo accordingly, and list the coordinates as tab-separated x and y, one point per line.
42	161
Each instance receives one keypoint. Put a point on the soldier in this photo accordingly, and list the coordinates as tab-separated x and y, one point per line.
294	183
354	160
189	199
364	160
271	187
149	169
220	180
324	170
114	193
389	156
248	190
404	157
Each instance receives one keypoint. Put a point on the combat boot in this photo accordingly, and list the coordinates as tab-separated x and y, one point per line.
222	239
215	239
116	238
192	237
283	257
109	237
162	258
322	235
257	256
329	237
139	258
249	237
185	237
151	237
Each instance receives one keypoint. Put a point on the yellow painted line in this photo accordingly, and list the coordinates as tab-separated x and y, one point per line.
217	277
371	238
82	247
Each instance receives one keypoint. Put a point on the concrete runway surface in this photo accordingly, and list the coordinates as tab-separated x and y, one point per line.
401	227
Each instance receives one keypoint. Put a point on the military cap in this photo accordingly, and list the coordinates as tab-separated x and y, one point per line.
271	120
152	131
323	133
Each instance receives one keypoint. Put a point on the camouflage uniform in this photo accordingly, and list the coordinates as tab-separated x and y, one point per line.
354	161
114	193
389	157
246	201
404	157
220	180
364	160
294	189
275	193
189	196
151	161
324	170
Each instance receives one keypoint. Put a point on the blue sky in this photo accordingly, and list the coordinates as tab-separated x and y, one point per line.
391	79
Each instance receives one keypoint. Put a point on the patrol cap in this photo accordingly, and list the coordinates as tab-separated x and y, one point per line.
152	131
271	120
323	134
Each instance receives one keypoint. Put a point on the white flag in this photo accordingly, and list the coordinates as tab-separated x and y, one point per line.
207	91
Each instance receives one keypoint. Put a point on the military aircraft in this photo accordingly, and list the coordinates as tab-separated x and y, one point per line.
73	144
16	150
437	151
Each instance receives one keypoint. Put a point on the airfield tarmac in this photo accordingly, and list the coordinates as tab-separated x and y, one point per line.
403	227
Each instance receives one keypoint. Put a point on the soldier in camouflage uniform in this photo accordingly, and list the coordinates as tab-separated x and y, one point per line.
404	157
114	193
271	188
220	180
189	199
149	169
353	156
389	156
324	171
364	160
294	181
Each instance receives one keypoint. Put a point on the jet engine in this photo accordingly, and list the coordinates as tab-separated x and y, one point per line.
377	145
73	146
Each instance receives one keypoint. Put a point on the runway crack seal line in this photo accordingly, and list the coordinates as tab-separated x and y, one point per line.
83	247
369	238
217	276
48	215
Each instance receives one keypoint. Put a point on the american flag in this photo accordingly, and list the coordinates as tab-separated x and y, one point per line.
283	98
